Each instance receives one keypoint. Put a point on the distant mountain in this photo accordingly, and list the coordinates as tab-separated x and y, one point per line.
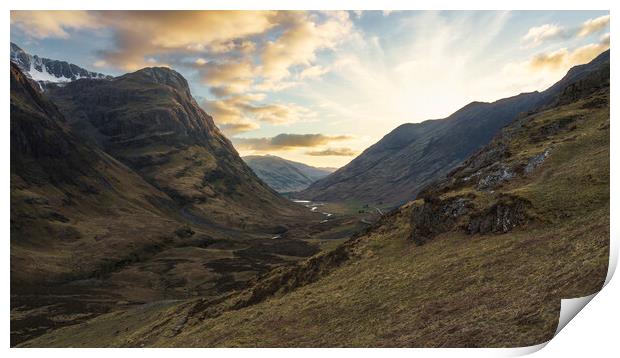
285	175
44	70
393	170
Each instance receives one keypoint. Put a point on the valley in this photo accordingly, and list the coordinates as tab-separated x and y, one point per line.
136	223
196	222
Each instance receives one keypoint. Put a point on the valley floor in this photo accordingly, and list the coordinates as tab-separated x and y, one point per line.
476	291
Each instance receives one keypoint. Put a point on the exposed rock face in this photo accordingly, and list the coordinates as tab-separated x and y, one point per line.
564	125
42	148
150	121
505	215
495	178
436	216
137	109
536	161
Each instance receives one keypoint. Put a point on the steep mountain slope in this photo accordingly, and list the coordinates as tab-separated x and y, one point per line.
91	233
396	168
284	175
149	121
55	180
73	215
482	258
44	70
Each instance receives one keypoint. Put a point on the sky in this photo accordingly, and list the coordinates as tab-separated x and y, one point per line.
319	87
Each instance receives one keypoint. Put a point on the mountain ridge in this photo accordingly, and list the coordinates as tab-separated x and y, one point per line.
43	70
397	167
149	120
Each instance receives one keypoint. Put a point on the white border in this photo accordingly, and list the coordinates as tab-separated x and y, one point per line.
594	330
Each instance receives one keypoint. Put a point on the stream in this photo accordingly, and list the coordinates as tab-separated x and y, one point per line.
314	207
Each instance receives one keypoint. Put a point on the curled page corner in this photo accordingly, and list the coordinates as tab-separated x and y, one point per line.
522	351
570	307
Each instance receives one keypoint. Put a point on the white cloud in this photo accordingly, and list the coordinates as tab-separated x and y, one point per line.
52	24
537	35
593	25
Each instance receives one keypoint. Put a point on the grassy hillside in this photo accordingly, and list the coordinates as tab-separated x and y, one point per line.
482	258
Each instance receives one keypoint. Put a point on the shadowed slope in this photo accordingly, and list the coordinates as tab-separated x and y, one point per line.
149	121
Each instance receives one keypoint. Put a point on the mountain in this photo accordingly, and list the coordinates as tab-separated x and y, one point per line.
481	258
124	192
150	122
44	70
284	175
58	183
396	168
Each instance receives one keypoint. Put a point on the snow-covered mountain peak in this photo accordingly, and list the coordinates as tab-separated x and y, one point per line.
45	71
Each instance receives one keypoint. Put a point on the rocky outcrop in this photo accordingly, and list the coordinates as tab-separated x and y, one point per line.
495	178
535	161
435	216
508	213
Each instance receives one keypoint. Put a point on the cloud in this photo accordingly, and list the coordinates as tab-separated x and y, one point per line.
564	59
605	39
242	113
286	141
277	113
301	40
241	64
140	34
593	25
233	51
342	152
537	35
54	24
546	68
229	77
238	127
313	72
